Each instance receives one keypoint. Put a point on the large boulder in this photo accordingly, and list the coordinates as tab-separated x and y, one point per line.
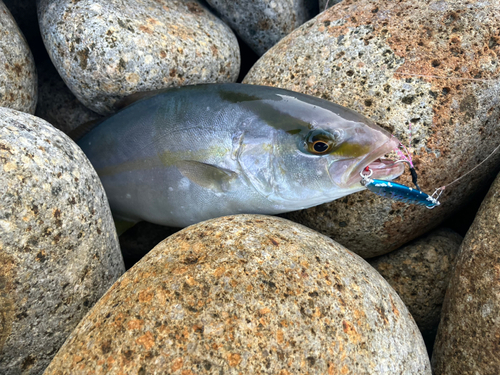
468	340
105	51
432	63
247	294
59	251
18	84
262	23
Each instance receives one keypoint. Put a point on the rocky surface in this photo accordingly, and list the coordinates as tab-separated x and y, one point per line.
262	23
18	85
469	331
432	63
57	104
247	294
58	246
420	272
106	51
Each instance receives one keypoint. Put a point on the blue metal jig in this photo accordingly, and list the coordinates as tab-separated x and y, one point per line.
399	192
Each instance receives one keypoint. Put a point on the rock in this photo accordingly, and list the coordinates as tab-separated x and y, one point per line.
468	336
359	54
58	246
247	294
57	104
262	23
18	82
420	272
107	51
323	4
24	12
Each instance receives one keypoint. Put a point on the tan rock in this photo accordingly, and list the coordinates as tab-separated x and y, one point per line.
247	294
469	331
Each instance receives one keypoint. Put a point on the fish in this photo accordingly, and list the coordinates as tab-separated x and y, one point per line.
180	156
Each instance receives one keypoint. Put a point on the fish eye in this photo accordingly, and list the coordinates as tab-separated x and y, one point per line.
320	147
320	142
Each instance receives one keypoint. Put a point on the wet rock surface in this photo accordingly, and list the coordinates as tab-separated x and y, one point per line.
468	336
58	246
18	85
107	51
419	272
247	294
261	24
362	54
56	103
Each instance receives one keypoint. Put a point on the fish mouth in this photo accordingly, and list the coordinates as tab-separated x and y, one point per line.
382	168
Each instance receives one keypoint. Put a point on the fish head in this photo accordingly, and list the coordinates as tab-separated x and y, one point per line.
315	153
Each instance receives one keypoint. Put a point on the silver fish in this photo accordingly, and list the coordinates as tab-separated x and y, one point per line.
198	152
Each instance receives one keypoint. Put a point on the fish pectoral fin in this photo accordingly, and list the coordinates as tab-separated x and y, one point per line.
207	175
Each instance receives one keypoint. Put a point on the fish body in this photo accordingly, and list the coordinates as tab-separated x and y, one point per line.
193	153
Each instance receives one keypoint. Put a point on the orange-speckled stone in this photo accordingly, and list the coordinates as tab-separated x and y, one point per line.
247	294
358	54
468	340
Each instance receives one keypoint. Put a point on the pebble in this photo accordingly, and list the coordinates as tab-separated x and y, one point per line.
469	332
419	272
107	51
18	82
262	23
359	54
59	251
247	294
56	103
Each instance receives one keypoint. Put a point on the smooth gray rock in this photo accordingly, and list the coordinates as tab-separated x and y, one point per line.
18	82
56	103
468	339
247	294
262	23
375	57
105	51
58	246
420	272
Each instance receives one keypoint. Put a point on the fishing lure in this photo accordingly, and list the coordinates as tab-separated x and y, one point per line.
399	192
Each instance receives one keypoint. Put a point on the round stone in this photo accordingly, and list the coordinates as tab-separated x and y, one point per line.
56	103
247	294
262	23
420	272
468	335
107	51
18	84
59	251
425	70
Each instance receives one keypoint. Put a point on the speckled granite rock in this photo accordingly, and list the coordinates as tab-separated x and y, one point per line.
24	12
420	272
262	23
105	51
469	332
58	246
327	3
247	294
357	54
18	85
57	104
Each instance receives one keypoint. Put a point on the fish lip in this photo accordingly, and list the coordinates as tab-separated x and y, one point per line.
384	169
